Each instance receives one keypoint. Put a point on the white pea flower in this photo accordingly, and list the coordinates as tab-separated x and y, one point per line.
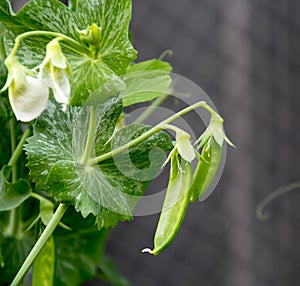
28	96
183	145
54	72
215	129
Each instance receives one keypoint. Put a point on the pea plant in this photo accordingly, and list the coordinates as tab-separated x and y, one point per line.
67	73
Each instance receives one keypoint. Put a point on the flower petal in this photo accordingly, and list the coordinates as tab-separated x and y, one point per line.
61	86
44	73
30	101
55	55
184	146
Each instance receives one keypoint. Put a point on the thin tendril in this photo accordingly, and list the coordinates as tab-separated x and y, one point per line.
272	196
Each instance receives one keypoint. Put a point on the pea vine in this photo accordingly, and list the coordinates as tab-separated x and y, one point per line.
71	168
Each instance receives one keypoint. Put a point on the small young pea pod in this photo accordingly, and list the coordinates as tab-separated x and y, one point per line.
206	169
175	204
44	265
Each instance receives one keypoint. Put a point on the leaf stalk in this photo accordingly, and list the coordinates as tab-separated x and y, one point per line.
62	208
151	132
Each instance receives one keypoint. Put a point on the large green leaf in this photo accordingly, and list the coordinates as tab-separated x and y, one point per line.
113	17
115	49
89	73
145	81
89	189
36	15
12	194
108	190
89	79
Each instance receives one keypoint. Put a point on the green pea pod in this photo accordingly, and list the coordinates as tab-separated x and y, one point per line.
206	169
175	204
44	265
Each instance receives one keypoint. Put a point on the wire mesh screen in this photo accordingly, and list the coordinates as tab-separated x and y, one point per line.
245	55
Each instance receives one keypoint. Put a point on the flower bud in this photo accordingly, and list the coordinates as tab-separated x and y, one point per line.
91	35
54	72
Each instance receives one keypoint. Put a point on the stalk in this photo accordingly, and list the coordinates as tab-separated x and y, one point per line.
18	151
74	45
62	208
91	136
157	102
150	132
14	214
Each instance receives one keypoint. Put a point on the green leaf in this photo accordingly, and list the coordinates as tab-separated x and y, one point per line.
14	252
89	79
79	251
146	81
44	265
15	247
86	187
12	194
115	52
3	70
113	18
73	4
141	162
90	73
35	15
46	211
107	191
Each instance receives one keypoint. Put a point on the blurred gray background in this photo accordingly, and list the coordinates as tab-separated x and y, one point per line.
245	55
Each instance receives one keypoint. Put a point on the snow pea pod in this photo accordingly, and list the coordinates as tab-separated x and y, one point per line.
175	204
44	265
206	169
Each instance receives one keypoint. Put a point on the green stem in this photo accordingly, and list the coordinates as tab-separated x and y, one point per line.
18	151
91	135
13	216
157	102
166	53
13	142
38	197
12	228
74	44
150	132
62	208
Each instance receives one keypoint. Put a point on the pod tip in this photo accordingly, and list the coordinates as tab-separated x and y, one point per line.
147	250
